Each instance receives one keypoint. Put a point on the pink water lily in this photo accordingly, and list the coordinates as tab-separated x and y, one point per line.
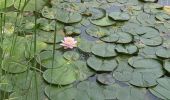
69	42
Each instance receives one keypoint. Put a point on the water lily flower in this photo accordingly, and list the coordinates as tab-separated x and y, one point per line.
69	42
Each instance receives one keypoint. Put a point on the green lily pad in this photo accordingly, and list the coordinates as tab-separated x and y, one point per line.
167	65
5	84
85	45
124	37
123	72
104	50
97	92
126	49
162	90
105	21
146	19
48	37
7	4
163	53
151	39
112	37
95	13
62	15
13	65
146	71
71	55
106	79
97	31
67	73
130	93
45	59
66	93
29	5
99	64
119	16
35	89
70	30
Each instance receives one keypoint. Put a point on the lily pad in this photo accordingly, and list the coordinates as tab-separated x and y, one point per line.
71	55
163	53
123	72
130	93
126	49
85	45
162	90
13	65
99	64
29	5
104	50
124	37
119	16
105	21
167	65
97	32
67	73
106	79
62	15
112	37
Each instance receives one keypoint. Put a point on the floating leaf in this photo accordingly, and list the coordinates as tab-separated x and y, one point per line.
61	15
106	79
167	65
119	16
123	72
13	65
162	90
99	64
124	37
67	73
97	32
104	50
126	49
29	5
105	21
163	53
71	55
85	45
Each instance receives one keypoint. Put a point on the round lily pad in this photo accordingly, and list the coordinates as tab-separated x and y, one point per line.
29	5
99	64
163	53
105	79
67	73
13	65
167	65
119	16
71	55
162	90
62	15
123	72
124	37
85	45
45	59
97	32
104	50
112	37
63	76
126	49
95	13
105	21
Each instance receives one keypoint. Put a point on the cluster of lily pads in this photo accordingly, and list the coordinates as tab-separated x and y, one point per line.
123	50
